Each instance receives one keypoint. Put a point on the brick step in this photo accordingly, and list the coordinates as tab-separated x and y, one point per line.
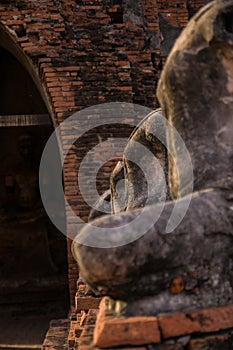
56	337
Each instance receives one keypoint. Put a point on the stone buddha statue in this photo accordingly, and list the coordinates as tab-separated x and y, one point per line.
24	224
191	266
20	197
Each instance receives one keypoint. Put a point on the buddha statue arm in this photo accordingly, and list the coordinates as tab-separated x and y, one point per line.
141	268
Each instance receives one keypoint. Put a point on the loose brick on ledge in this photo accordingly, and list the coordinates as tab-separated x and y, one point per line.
126	331
201	321
111	331
86	303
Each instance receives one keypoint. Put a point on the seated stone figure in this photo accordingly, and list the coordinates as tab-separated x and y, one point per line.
191	266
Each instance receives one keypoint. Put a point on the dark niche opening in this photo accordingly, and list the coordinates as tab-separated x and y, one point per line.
117	17
33	252
18	92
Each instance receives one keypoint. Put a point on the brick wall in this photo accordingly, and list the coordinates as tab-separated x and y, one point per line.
82	53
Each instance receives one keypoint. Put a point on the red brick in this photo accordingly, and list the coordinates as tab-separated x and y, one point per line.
86	303
202	321
113	331
126	331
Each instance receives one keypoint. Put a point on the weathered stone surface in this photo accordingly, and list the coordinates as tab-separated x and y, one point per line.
118	193
196	95
192	246
138	193
133	11
101	207
169	34
195	92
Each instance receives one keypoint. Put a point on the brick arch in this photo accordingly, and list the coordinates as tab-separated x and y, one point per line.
37	68
46	75
8	41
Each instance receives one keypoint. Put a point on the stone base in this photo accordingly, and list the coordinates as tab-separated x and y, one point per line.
204	329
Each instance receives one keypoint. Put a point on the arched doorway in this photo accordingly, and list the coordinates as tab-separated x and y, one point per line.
33	253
